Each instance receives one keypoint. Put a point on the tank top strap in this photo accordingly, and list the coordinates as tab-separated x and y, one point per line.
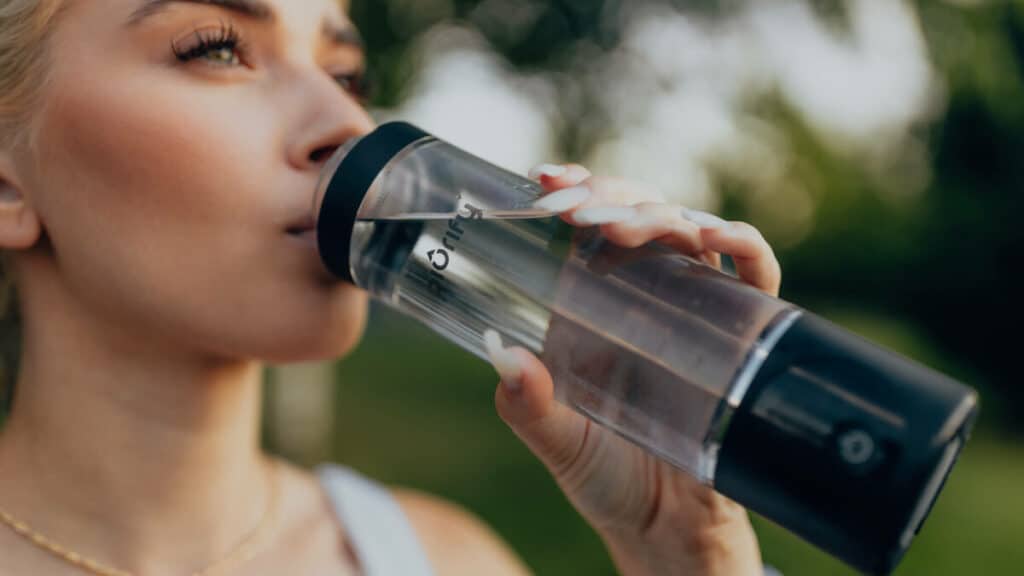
381	534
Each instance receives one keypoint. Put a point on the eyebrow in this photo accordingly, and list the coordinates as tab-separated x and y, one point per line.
345	35
252	8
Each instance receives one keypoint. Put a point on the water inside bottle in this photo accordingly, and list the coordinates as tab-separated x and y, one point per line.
643	341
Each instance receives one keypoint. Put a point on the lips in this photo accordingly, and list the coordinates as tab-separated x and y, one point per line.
302	226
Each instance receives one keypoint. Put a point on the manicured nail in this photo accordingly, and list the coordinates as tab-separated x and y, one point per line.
563	200
549	170
505	363
604	215
703	219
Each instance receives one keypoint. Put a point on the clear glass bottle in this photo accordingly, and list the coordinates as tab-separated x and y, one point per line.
840	441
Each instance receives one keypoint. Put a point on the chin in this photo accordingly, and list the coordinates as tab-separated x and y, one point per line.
330	336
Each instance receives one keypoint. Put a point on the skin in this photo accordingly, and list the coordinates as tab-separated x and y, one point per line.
148	233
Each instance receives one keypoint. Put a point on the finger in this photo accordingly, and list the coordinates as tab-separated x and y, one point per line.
557	176
589	192
755	260
564	186
651	221
620	192
632	226
609	197
525	401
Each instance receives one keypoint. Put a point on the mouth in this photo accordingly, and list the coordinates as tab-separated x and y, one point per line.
302	227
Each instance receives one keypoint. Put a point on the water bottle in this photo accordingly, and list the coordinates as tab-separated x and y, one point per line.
839	441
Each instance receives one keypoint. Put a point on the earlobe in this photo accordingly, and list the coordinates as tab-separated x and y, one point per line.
19	222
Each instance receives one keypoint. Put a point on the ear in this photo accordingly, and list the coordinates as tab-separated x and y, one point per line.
19	223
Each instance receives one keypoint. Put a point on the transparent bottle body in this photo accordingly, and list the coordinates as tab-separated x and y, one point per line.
645	341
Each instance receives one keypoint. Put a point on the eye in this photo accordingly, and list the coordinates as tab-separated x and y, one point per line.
220	47
355	83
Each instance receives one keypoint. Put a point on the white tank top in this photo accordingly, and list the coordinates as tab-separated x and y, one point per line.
383	539
381	535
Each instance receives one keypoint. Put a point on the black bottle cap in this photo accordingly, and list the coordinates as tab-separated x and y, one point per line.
843	443
348	186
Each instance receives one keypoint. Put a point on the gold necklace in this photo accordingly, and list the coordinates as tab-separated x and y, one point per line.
239	553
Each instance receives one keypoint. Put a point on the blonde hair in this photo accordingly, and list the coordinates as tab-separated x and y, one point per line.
25	27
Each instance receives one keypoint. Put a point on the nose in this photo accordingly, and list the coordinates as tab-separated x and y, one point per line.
326	118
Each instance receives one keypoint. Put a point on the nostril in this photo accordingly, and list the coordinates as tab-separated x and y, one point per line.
321	154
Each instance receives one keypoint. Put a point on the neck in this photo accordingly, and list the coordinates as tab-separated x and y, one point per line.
111	429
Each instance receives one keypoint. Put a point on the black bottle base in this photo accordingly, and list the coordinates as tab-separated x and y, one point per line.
843	443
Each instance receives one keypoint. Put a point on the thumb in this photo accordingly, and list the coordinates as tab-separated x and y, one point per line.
555	433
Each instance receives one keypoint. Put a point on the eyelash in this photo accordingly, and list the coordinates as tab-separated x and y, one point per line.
227	37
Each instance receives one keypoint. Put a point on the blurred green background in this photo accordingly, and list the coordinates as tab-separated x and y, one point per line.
877	144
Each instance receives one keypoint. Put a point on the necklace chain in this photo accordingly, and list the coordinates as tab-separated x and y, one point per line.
238	553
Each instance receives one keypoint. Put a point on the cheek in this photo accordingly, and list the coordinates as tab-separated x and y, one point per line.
166	215
130	176
143	159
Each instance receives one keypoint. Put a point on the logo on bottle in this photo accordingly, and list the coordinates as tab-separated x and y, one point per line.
442	261
440	258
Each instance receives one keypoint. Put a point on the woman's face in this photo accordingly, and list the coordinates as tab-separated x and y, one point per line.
179	146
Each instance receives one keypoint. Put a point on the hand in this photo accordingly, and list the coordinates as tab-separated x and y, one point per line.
654	518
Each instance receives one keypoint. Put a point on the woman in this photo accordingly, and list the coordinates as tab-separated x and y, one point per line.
156	175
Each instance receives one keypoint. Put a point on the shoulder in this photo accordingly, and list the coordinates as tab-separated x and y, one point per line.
456	541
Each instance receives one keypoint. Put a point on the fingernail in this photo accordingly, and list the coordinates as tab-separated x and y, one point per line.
703	219
563	200
604	214
549	170
505	363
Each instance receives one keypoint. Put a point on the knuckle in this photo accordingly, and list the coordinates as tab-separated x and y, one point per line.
569	458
